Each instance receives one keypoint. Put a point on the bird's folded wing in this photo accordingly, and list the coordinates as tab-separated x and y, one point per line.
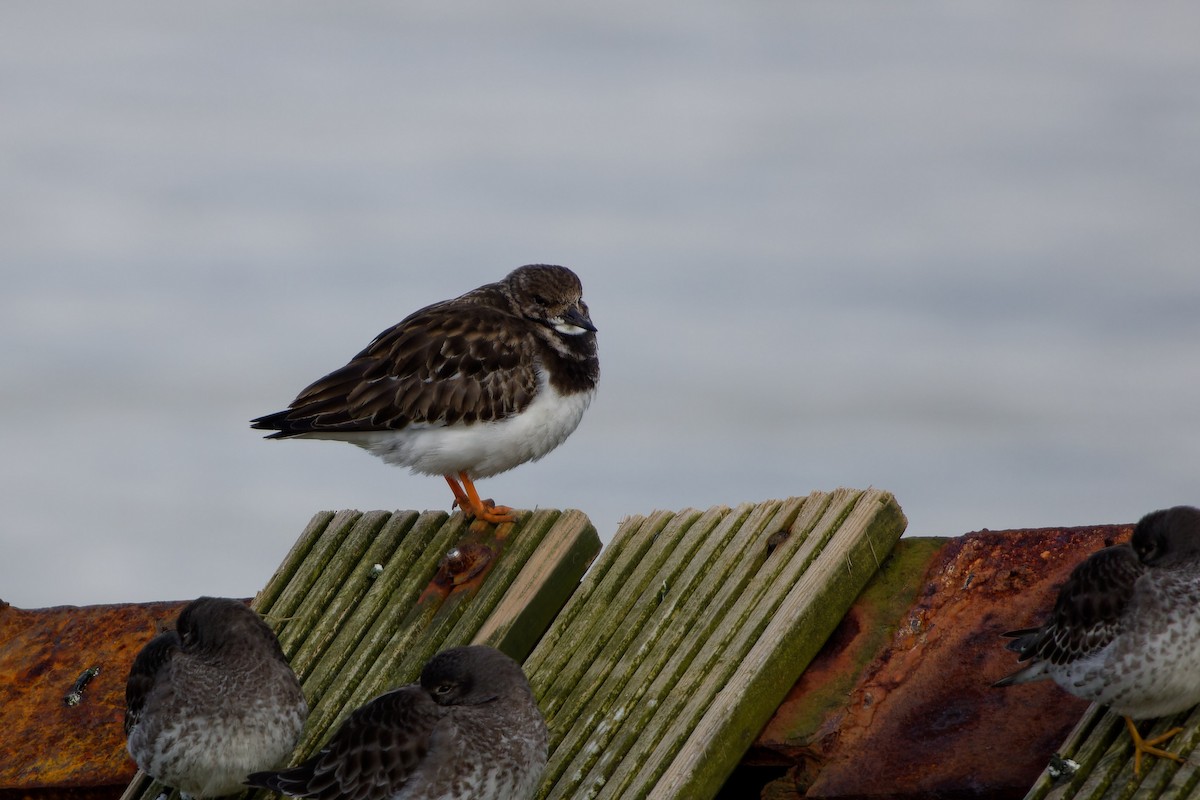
1090	606
372	755
144	673
441	365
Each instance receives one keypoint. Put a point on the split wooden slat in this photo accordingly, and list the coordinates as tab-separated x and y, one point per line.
362	600
688	633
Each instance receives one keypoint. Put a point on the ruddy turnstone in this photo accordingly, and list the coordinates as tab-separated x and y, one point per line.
466	388
212	701
1125	631
469	728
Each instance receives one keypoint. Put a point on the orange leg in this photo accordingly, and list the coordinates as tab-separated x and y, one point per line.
1141	745
468	500
460	497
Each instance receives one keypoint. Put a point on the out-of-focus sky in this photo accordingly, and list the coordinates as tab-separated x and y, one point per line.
950	250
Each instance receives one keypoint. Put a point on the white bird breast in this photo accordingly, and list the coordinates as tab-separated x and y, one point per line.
482	449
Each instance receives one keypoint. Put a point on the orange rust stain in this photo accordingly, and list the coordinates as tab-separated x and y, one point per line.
465	567
923	718
463	563
47	655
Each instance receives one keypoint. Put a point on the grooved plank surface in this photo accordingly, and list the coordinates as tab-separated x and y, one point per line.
689	631
362	600
1102	755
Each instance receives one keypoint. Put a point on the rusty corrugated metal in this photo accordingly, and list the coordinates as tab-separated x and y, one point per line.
921	718
62	695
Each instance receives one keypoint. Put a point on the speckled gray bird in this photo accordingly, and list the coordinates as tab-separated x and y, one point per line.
466	388
469	729
1125	631
210	702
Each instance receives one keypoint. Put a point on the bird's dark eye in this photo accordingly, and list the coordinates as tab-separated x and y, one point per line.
541	301
444	688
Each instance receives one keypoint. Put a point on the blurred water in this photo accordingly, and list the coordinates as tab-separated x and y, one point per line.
948	250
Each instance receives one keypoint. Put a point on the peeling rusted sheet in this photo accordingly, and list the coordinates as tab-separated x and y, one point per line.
922	718
62	695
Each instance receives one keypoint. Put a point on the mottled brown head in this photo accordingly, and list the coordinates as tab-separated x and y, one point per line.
550	295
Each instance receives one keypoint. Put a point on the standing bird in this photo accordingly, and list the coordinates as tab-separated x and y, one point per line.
470	728
1125	631
212	701
466	388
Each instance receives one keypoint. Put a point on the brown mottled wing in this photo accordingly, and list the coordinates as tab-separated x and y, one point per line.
144	672
1088	611
451	362
372	756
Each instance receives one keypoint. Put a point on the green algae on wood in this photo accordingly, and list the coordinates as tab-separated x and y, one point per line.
359	603
680	644
523	614
1096	761
719	642
820	694
815	605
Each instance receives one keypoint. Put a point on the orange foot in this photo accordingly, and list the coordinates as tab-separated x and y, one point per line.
467	498
1147	746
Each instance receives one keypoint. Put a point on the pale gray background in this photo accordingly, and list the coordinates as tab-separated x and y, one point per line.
945	249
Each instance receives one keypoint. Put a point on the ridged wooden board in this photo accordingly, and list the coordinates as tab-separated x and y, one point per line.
1096	761
364	599
688	632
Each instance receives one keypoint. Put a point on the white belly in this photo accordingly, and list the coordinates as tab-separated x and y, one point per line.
482	449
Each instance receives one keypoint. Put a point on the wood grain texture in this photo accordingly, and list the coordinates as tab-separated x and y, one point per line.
692	627
363	600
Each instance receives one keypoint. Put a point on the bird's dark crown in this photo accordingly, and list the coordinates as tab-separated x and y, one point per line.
467	675
213	622
1168	536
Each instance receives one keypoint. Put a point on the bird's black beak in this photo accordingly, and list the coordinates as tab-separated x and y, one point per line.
579	319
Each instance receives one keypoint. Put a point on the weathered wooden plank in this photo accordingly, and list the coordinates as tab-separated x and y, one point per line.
363	600
304	573
690	688
611	686
817	602
392	547
1098	755
576	645
330	597
519	551
308	538
527	609
653	646
383	655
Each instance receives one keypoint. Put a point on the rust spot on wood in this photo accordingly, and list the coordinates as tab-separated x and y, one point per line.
462	563
466	565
